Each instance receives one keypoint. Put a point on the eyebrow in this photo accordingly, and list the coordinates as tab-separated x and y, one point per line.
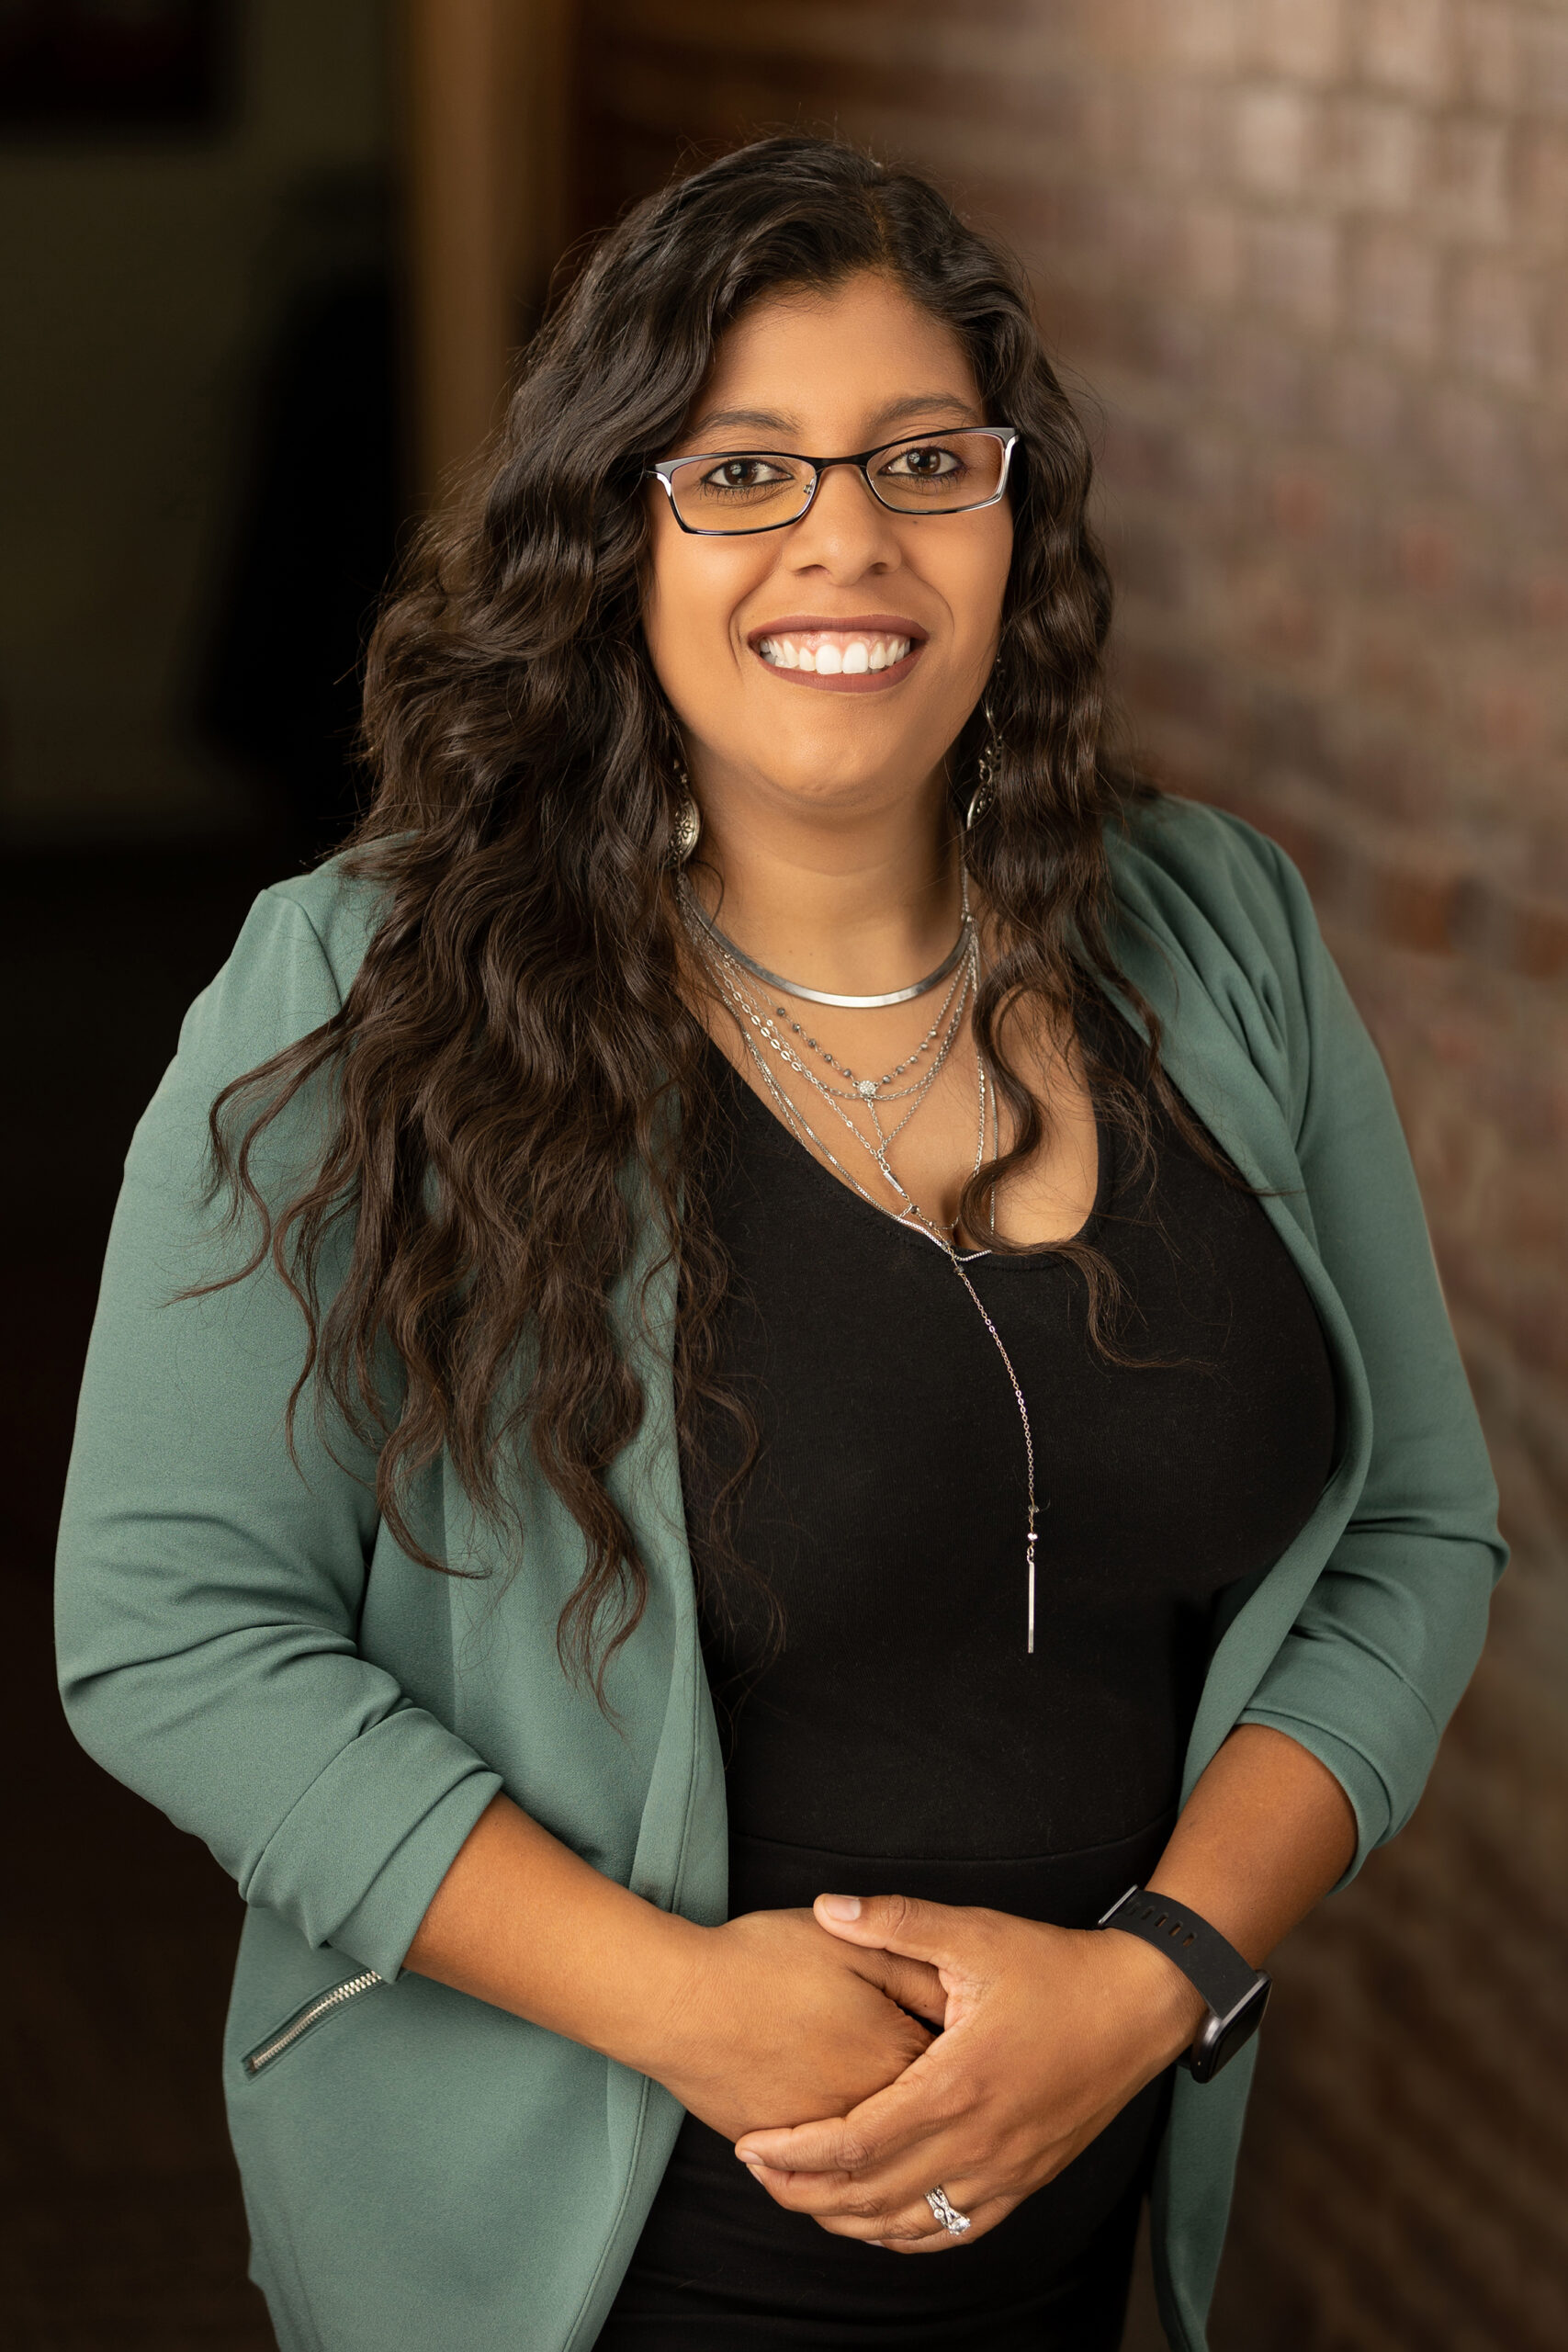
764	420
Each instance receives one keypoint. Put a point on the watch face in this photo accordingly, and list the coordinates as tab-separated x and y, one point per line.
1222	2037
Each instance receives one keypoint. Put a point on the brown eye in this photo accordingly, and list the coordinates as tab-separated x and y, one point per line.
923	464
743	474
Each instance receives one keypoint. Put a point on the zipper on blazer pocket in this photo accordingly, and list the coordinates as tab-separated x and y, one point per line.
321	2005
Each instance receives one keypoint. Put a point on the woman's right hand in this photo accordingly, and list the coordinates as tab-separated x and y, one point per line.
778	2022
767	2021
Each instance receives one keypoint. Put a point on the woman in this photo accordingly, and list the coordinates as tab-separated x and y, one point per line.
805	1194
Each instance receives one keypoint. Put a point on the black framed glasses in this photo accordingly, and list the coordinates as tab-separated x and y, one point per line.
722	492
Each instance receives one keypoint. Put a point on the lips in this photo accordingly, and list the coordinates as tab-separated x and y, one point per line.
855	655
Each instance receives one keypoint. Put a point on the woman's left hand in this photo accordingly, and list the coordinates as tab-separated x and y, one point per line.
1049	2031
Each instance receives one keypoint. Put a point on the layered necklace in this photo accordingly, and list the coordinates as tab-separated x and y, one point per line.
771	1034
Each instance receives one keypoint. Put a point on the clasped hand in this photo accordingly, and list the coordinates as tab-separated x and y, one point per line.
1047	2032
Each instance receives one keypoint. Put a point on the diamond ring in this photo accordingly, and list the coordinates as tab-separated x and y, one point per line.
952	2219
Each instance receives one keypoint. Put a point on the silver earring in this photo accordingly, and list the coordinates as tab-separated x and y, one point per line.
986	768
688	819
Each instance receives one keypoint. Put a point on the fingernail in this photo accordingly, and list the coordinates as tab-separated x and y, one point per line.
841	1906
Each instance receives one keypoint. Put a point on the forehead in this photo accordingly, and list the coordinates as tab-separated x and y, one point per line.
855	356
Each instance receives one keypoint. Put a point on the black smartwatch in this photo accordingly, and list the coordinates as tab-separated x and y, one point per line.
1236	1993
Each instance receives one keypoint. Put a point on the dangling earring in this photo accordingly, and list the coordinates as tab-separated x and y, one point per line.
986	769
688	819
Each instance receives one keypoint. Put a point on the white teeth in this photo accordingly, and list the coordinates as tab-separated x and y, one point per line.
851	660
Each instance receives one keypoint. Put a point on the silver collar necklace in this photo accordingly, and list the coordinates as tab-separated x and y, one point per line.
949	963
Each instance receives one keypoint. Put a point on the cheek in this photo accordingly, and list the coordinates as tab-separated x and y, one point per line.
694	590
667	617
975	588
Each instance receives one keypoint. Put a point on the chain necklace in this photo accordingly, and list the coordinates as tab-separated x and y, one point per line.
834	1096
868	1088
722	961
959	1267
796	1118
864	1089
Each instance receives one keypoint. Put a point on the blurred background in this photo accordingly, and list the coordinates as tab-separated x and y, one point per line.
1304	263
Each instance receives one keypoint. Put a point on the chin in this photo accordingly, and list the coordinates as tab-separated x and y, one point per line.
817	785
827	766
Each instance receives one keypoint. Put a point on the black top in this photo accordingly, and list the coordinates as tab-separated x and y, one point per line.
887	1514
887	1728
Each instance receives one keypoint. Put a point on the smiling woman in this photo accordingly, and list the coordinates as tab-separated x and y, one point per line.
928	512
886	1497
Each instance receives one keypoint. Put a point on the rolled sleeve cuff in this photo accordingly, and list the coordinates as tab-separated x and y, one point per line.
1360	1779
357	1858
1314	1693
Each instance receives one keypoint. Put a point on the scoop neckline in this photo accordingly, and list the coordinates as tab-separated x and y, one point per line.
1023	1261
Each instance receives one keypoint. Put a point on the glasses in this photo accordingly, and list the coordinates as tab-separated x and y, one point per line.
730	491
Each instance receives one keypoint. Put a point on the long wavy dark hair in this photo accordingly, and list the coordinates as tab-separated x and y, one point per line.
520	1097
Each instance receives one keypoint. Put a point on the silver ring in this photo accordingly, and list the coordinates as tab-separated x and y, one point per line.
952	2219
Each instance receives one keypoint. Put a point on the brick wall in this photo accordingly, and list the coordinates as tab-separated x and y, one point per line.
1306	261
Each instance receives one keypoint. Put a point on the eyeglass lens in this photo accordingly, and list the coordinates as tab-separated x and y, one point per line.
749	490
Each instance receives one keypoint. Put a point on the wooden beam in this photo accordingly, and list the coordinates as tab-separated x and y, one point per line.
484	99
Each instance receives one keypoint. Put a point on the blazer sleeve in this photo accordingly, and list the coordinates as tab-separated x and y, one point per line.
209	1586
1390	1634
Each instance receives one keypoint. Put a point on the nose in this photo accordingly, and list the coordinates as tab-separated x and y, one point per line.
845	531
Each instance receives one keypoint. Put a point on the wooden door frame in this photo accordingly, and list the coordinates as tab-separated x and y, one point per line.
484	101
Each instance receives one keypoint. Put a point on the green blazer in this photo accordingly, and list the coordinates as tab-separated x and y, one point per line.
242	1641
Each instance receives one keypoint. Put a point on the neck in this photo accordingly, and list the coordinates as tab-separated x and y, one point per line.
856	905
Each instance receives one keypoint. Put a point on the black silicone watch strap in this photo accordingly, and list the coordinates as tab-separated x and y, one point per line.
1201	1953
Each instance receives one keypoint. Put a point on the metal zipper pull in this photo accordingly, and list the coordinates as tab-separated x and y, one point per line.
322	2006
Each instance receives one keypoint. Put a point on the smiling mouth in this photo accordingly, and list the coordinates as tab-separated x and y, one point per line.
856	656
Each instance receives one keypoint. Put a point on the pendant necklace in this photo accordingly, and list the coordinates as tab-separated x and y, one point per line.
731	966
